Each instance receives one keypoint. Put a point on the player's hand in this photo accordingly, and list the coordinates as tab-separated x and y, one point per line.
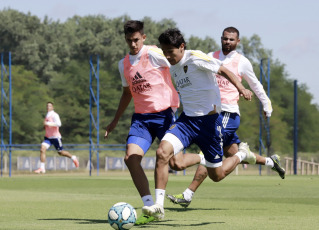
109	129
246	93
266	116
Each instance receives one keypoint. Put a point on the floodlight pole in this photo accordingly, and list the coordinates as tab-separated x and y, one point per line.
4	98
262	121
295	126
94	100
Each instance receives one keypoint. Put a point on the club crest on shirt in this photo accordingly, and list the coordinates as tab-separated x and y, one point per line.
172	127
185	68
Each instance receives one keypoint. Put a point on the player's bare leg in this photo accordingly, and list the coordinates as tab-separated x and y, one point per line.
182	161
65	153
132	159
42	160
164	153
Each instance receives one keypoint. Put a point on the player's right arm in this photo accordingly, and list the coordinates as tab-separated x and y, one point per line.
124	102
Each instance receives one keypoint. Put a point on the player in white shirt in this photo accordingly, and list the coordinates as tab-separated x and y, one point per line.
194	75
242	68
52	136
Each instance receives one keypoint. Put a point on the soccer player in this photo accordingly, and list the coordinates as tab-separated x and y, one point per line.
145	78
52	136
194	75
242	68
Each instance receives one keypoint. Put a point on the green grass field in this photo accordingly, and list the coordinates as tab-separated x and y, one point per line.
77	201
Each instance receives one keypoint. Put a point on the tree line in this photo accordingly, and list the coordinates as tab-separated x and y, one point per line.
50	62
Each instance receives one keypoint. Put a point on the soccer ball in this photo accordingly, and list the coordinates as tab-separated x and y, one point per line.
122	216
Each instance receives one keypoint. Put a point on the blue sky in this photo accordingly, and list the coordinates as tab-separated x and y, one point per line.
288	27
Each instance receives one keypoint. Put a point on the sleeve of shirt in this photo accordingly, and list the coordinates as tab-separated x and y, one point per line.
57	120
205	62
157	57
245	69
121	70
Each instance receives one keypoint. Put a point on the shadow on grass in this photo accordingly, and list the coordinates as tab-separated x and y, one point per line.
180	209
161	224
155	224
80	221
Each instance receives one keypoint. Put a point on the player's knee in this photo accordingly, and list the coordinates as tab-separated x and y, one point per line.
162	155
43	149
215	177
132	159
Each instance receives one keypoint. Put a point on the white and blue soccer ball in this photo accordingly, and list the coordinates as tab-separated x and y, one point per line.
122	216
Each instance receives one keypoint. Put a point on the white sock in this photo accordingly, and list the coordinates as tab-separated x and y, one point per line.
160	195
202	160
148	200
73	157
42	165
188	194
241	156
269	162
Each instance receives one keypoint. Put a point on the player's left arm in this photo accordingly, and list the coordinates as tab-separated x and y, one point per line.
56	121
245	69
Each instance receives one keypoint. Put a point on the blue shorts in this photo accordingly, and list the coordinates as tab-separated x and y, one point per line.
205	131
56	142
145	127
231	122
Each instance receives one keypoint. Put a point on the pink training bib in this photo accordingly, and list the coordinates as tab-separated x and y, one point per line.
152	88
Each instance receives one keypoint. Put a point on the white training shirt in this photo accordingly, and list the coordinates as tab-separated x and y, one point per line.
55	117
156	57
245	70
196	82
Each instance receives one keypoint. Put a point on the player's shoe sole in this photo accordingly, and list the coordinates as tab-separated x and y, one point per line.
156	211
277	166
250	157
39	170
178	199
144	219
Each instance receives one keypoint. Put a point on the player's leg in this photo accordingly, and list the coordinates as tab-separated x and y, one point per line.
185	198
57	142
182	160
163	154
132	159
144	129
273	161
44	146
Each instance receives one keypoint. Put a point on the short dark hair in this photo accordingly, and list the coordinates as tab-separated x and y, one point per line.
172	37
50	102
133	26
231	30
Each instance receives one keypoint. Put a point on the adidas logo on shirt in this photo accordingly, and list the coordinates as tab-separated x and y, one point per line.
137	79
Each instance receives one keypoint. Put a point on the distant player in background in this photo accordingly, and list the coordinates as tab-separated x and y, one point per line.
242	68
145	78
52	136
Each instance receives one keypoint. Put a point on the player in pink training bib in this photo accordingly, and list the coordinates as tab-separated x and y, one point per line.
52	123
